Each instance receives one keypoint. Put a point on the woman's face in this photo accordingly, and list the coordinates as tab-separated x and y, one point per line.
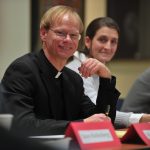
104	44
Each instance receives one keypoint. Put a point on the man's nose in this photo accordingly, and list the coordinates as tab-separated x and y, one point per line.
68	37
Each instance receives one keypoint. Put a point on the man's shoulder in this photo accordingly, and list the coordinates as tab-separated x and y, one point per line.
28	56
27	59
23	63
71	73
146	72
144	77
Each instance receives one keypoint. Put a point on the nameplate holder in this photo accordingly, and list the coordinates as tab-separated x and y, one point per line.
93	135
137	133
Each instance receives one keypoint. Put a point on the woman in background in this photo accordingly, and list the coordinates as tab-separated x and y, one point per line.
101	41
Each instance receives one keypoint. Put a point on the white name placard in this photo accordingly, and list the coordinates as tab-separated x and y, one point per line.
147	133
95	136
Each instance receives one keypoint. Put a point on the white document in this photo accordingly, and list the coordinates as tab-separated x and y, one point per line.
48	137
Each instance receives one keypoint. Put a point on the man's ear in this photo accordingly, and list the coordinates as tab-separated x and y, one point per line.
87	42
43	34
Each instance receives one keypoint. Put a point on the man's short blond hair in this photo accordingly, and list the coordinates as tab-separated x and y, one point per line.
56	13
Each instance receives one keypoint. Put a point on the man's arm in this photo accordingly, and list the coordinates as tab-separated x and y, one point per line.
19	91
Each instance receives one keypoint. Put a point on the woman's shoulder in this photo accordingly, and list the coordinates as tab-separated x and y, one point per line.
80	56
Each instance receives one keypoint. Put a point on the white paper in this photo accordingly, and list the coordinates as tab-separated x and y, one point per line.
48	137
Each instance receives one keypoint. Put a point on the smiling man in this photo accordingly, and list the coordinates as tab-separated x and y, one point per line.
41	92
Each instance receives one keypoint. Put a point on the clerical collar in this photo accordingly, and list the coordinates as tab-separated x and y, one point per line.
49	68
58	74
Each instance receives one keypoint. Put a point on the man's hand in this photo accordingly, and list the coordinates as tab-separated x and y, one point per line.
97	118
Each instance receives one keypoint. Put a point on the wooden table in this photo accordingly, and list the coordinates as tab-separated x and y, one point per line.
127	147
133	146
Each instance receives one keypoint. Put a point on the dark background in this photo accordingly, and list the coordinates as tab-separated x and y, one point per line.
126	14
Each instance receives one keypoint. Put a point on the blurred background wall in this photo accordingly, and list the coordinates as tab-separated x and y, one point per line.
14	31
15	36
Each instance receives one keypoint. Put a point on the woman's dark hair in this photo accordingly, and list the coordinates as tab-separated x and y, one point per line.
98	23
